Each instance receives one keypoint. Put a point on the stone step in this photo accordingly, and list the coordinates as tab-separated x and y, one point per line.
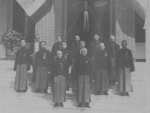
95	99
31	102
49	109
112	93
10	84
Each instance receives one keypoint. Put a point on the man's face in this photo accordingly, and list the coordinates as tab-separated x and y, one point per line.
37	38
64	45
124	44
43	45
82	44
59	54
77	38
96	37
112	39
59	39
84	52
102	46
23	43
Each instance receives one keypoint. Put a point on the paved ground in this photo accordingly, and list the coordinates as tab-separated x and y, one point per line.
30	102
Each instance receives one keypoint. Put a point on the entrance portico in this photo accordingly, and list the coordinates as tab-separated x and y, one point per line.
108	17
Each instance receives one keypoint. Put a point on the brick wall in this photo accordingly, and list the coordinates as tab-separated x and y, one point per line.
46	27
125	23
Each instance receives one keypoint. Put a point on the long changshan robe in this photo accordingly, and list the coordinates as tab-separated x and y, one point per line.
113	50
94	48
101	79
22	65
83	66
125	66
68	59
74	76
42	66
59	69
75	48
34	48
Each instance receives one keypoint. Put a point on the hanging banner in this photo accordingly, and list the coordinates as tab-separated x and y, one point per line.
31	6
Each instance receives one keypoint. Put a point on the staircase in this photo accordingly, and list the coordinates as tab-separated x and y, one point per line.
30	102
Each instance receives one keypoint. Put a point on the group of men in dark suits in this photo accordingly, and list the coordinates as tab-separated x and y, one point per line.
104	64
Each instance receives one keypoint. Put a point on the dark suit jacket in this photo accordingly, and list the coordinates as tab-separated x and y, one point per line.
125	59
83	65
22	57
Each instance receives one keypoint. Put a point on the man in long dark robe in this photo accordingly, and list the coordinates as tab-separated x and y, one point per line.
74	49
34	48
101	79
68	58
22	65
83	76
74	77
113	50
125	66
57	46
42	67
94	48
59	68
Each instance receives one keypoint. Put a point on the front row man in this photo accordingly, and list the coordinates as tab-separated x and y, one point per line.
59	81
21	66
102	81
83	64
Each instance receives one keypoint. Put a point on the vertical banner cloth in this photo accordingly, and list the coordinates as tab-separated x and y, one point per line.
86	17
31	6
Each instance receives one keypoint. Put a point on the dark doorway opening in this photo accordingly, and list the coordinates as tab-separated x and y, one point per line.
99	20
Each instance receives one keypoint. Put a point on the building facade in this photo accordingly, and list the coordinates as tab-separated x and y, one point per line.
65	18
